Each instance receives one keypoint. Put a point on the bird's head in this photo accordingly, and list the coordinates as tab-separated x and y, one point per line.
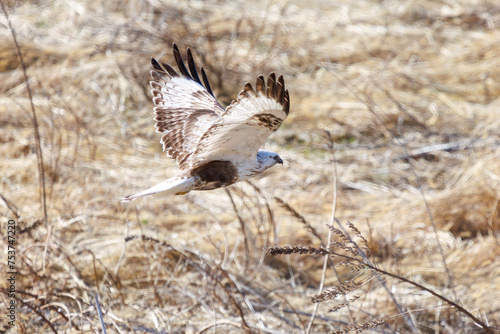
268	159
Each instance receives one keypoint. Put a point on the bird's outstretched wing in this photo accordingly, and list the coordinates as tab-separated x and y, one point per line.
184	108
198	130
244	127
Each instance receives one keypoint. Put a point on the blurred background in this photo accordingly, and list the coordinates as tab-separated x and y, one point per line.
399	99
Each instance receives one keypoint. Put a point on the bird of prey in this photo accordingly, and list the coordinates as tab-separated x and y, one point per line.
213	147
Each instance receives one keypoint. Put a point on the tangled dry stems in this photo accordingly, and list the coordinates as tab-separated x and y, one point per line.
356	258
423	73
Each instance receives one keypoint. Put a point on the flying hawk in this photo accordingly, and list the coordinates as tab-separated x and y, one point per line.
213	147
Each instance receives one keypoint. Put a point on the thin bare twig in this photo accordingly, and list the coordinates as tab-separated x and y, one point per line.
242	225
99	311
12	208
33	118
329	238
301	218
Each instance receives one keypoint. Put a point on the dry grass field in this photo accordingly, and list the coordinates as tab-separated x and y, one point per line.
394	128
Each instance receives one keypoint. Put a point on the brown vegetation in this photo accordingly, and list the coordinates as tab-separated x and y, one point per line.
399	100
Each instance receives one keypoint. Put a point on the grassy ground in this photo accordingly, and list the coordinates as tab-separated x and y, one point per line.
406	93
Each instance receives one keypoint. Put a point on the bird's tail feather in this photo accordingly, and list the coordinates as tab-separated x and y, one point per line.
175	185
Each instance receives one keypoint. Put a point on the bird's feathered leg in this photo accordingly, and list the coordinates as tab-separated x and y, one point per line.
175	185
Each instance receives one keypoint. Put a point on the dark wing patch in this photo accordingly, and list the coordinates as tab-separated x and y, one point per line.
215	174
267	120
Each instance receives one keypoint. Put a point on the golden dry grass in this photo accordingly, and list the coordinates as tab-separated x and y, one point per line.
408	91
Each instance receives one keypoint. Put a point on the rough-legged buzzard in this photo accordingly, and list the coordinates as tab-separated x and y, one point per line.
213	147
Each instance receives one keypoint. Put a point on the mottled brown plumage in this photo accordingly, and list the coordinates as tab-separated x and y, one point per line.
212	146
215	174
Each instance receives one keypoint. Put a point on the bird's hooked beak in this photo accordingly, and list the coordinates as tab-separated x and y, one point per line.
279	161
